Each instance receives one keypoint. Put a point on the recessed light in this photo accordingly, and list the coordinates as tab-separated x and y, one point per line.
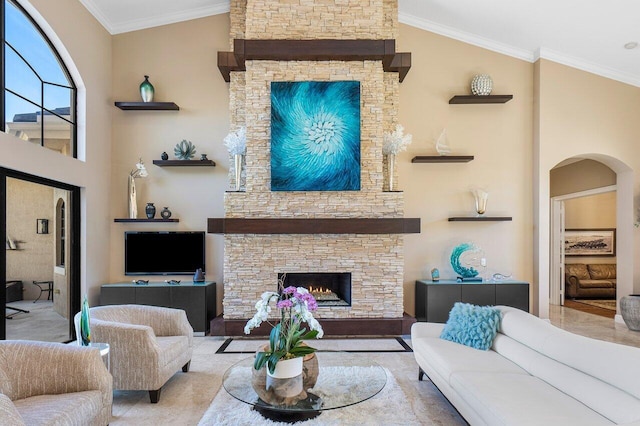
631	45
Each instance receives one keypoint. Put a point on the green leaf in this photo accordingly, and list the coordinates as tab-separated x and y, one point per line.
310	335
302	351
261	359
273	360
274	337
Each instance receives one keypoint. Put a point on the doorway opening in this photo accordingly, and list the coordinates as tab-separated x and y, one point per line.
40	224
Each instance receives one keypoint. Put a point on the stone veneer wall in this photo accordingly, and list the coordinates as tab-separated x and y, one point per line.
252	262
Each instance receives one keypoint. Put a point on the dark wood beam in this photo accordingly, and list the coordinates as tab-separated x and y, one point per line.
314	50
313	226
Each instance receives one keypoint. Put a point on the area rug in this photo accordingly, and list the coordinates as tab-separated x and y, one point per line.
389	407
609	304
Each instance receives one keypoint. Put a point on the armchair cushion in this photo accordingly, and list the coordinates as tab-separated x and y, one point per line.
9	415
42	371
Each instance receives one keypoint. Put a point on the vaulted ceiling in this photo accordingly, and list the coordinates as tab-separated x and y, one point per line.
585	34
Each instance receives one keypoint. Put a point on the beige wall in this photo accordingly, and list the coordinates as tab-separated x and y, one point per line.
580	176
500	138
86	48
181	62
33	261
586	116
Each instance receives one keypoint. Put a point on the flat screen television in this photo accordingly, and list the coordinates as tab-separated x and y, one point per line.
163	253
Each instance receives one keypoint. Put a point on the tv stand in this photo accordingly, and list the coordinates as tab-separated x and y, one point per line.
197	299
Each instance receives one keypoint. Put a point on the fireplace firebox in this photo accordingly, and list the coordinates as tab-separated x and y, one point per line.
328	288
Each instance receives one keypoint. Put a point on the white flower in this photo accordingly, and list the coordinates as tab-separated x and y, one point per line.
236	142
315	325
396	141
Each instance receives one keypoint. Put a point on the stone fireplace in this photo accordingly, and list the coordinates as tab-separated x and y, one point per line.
267	233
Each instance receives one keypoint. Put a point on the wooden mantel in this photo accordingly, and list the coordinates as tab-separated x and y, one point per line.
314	50
313	226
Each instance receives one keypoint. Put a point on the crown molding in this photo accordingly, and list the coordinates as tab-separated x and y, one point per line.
466	37
97	13
219	7
590	67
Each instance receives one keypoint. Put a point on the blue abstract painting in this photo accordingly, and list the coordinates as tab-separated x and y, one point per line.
315	136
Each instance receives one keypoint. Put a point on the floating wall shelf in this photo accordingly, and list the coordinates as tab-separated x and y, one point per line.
476	99
442	159
147	106
313	226
184	163
480	219
145	220
314	50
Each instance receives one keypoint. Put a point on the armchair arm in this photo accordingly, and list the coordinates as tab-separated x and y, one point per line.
53	368
9	416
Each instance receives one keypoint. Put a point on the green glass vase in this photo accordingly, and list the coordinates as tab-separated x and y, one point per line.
85	330
146	90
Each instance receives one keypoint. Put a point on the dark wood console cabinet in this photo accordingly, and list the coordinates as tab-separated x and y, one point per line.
197	299
434	300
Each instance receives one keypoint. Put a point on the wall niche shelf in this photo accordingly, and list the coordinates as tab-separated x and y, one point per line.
184	163
476	99
442	159
147	106
480	219
125	220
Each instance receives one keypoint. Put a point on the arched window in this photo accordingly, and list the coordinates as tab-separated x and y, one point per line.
39	102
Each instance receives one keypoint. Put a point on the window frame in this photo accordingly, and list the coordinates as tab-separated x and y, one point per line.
73	104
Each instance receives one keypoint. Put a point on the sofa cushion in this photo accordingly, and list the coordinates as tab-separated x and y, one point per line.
602	271
71	409
9	415
579	270
172	348
446	357
595	284
472	325
519	399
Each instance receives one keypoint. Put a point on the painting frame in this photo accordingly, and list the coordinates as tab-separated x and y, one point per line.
315	135
596	242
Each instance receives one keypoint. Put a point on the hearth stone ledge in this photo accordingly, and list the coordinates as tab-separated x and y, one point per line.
332	327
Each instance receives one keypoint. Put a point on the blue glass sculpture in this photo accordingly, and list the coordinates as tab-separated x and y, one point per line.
315	136
85	330
462	270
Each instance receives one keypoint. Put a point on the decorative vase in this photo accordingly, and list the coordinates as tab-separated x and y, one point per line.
237	159
150	210
146	90
286	380
198	277
391	165
165	213
85	323
480	196
164	156
481	85
630	311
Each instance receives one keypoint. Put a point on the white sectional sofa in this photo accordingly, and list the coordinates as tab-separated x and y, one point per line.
534	374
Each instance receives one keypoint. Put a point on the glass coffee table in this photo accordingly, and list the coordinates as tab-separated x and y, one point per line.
343	379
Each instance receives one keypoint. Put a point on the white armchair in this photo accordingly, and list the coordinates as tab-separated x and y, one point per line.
149	344
43	383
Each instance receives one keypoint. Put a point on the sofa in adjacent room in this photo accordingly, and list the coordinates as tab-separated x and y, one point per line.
533	374
590	280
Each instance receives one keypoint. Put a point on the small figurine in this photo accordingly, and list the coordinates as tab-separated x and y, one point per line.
435	275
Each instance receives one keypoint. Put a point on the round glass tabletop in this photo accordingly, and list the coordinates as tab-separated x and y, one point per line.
343	379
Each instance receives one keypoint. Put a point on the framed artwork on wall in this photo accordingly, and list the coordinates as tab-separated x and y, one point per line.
590	242
315	136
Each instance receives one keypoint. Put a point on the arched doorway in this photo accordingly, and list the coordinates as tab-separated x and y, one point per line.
624	219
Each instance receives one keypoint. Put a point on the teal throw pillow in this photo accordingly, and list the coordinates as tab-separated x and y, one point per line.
472	325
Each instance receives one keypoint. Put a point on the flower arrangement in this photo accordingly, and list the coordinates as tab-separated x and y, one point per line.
296	305
236	142
396	141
